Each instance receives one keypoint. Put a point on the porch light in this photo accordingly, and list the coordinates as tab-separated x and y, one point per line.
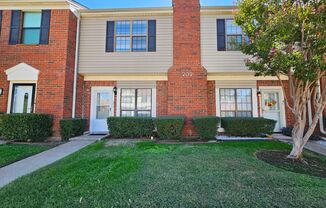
115	90
1	91
259	93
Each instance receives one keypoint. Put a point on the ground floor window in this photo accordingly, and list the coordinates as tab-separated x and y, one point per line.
136	103
236	102
22	98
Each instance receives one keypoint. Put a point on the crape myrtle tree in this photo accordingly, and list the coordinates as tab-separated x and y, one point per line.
288	39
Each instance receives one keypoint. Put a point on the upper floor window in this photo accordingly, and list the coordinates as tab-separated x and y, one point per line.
127	36
31	27
131	36
230	36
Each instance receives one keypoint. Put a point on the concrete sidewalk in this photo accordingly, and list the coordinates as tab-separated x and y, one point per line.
314	146
26	166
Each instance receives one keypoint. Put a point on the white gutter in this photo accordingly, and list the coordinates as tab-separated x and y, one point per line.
73	113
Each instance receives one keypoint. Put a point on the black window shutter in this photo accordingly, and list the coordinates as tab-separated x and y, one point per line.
110	36
152	35
220	25
0	20
14	27
45	27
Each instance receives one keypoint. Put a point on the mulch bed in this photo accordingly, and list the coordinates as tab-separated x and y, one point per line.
310	165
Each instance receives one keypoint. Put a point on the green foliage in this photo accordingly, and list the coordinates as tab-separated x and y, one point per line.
286	36
248	127
206	126
130	127
26	127
1	123
287	131
170	127
70	128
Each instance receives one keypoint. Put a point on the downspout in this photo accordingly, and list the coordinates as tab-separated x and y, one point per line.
74	97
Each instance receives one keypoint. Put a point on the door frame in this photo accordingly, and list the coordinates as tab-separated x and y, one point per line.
12	91
93	102
281	100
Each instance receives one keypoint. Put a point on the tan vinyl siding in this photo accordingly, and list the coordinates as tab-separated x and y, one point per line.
213	60
94	60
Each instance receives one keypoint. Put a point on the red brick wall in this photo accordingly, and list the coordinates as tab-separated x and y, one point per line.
88	94
55	62
161	98
211	96
289	115
187	79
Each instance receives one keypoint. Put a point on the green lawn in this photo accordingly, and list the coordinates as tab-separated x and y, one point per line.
10	153
150	175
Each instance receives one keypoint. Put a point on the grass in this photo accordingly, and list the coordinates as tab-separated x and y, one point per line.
151	175
10	153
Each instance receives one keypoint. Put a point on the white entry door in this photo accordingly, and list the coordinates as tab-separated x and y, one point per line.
102	107
273	107
23	98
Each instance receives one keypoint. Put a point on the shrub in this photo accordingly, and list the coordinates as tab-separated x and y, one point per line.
206	126
251	127
287	131
26	127
170	127
70	128
1	123
130	127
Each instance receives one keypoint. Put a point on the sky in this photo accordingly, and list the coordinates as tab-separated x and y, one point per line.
100	4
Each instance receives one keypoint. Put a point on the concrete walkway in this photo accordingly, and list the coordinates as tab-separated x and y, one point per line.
314	146
26	166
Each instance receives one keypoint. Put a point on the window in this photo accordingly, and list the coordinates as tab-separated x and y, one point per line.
236	102
31	28
136	102
131	36
234	36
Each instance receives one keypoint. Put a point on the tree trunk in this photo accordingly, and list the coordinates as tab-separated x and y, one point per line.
298	141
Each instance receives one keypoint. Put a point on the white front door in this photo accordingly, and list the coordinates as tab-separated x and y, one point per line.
102	107
272	107
23	98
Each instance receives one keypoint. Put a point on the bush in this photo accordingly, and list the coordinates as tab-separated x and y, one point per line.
70	128
248	127
206	126
130	127
170	127
26	127
287	131
1	123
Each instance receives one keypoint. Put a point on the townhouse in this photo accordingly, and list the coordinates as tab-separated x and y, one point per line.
61	58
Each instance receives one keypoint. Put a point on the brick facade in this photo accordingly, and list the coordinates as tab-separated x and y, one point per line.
55	62
187	79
